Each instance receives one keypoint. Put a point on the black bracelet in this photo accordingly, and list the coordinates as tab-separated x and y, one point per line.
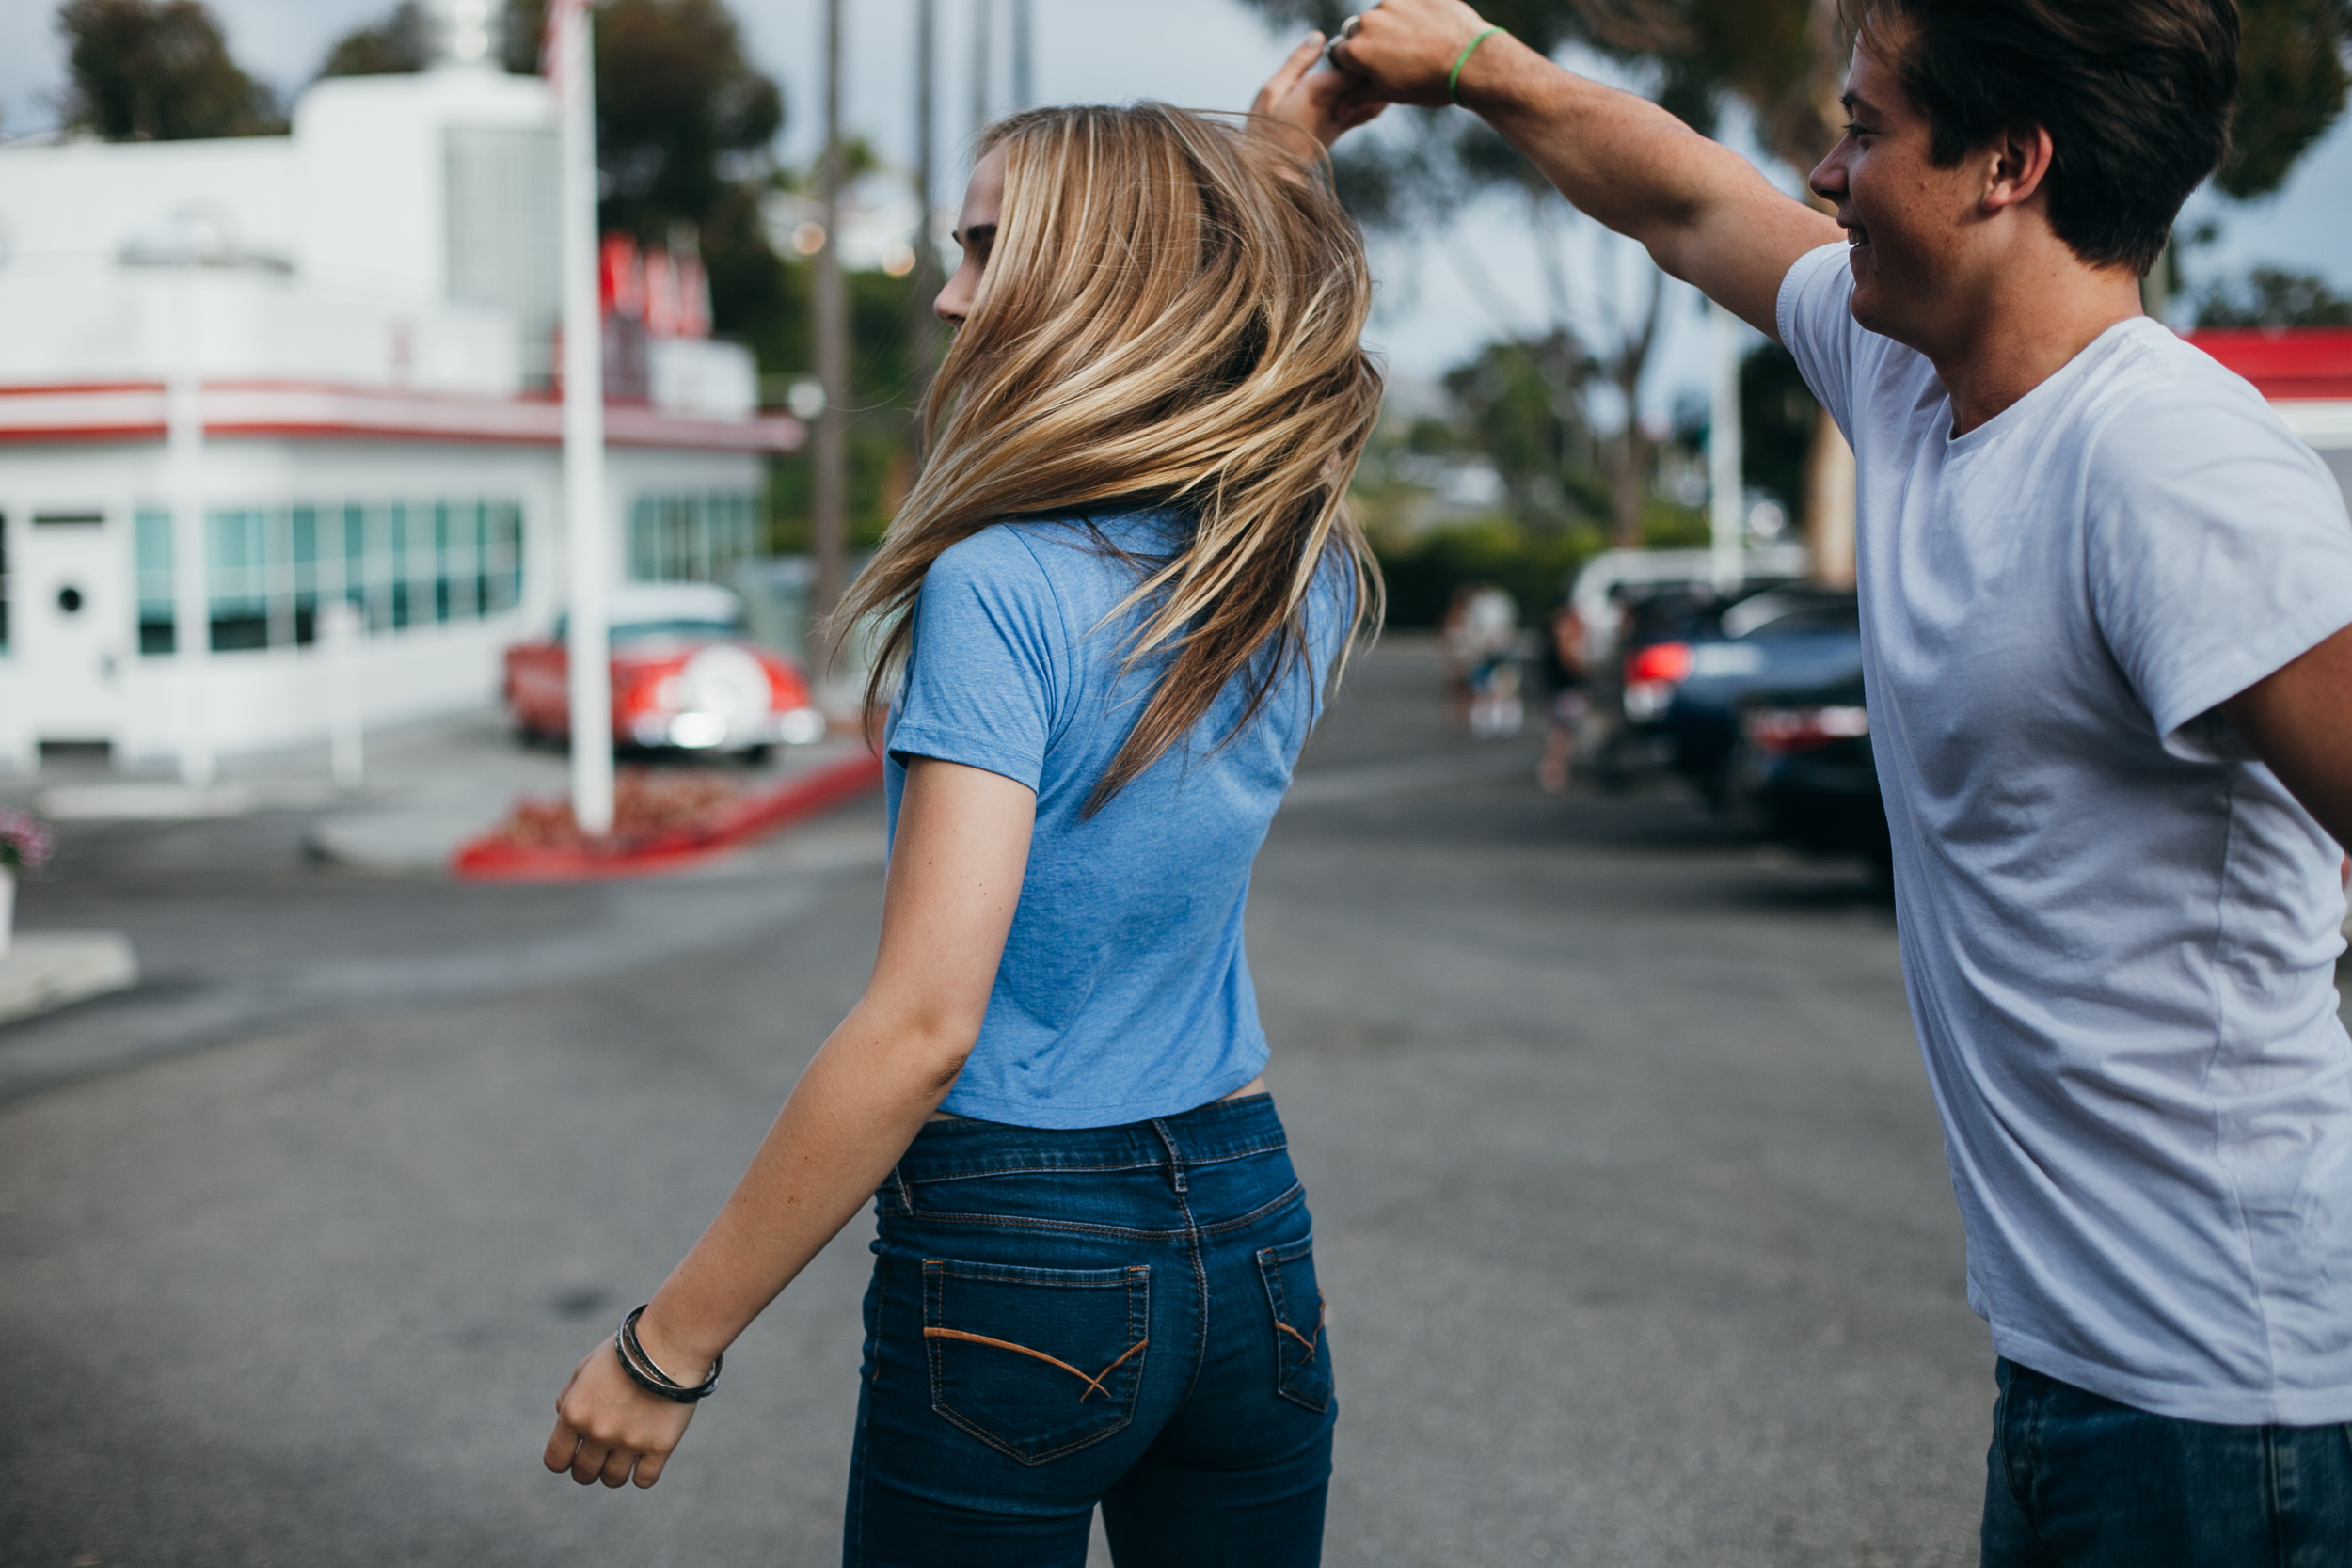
647	1373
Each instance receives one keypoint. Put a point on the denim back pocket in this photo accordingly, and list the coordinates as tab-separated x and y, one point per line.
1303	1361
1035	1362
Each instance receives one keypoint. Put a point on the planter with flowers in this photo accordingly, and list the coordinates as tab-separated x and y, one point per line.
25	842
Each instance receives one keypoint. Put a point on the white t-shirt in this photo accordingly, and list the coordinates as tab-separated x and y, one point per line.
2118	932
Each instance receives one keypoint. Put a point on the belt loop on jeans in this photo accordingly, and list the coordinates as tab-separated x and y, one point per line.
906	1194
1175	1159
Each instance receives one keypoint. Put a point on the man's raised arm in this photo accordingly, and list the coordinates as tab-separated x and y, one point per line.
1704	211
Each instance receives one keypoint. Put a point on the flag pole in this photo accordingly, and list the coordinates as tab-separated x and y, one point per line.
830	509
584	530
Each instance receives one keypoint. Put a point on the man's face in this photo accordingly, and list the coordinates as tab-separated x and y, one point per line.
1908	222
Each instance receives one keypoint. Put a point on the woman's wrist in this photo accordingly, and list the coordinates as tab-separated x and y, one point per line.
682	1357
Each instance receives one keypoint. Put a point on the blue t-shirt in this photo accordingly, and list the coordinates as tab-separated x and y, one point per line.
1123	993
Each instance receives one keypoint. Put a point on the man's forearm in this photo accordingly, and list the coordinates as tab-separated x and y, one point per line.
1704	213
1617	157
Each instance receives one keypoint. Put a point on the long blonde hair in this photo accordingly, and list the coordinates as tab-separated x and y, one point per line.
1170	316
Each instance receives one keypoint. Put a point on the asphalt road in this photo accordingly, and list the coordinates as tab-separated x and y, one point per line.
1631	1207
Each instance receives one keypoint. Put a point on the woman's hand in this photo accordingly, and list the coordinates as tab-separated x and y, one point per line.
1326	104
955	879
607	1429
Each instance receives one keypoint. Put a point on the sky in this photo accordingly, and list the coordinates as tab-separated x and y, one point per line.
1440	296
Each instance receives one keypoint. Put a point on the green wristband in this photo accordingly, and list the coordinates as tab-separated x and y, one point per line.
1454	77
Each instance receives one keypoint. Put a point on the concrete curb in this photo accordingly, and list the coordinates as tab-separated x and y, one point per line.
751	817
43	971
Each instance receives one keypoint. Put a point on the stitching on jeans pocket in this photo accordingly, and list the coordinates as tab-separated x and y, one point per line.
1035	1363
1302	1359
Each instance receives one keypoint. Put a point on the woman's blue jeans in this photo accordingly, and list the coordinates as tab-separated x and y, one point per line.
1120	1315
2077	1481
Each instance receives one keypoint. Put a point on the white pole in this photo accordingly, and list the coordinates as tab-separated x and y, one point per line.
1725	518
190	608
339	639
583	432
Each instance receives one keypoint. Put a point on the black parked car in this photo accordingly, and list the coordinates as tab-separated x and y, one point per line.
1802	771
1689	692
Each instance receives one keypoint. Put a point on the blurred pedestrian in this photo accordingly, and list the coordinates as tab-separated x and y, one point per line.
2107	606
1568	697
1114	602
1480	640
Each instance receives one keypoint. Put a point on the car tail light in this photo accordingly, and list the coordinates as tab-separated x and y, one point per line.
1780	731
1669	663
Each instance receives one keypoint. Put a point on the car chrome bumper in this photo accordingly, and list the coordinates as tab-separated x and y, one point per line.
718	732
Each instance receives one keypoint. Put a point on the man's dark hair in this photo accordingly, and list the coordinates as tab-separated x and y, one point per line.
2136	95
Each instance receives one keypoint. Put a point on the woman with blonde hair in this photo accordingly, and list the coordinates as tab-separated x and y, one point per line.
1110	611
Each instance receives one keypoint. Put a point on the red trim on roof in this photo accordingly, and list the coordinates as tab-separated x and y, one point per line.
32	389
2296	363
315	411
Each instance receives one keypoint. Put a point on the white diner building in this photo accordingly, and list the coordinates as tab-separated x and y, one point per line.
244	379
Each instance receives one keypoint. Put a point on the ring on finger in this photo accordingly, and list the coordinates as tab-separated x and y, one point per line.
1347	31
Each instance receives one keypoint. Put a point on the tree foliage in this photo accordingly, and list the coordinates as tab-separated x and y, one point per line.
1519	405
2291	88
396	45
157	70
679	103
2269	297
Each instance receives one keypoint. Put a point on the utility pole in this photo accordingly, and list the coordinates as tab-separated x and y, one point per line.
1023	62
1725	513
191	614
829	524
586	543
983	23
928	336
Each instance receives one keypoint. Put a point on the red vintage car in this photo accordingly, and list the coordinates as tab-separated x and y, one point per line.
683	676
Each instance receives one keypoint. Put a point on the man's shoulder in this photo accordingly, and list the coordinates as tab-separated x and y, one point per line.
2157	409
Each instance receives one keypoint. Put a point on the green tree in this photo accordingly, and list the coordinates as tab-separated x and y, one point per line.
678	104
157	70
2292	76
1520	408
1776	415
393	47
2269	297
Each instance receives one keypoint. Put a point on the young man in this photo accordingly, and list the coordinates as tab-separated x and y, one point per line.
2104	608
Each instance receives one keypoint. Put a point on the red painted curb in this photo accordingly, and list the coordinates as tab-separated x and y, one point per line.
747	817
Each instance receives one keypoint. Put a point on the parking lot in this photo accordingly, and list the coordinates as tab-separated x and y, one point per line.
1631	1204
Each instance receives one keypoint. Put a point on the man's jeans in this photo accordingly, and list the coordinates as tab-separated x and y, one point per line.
2075	1480
1122	1315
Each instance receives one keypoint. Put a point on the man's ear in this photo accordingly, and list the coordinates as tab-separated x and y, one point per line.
2017	163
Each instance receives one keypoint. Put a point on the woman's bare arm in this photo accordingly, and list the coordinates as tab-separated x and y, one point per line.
955	877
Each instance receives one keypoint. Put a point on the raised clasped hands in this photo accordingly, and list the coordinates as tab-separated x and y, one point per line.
1395	51
1401	51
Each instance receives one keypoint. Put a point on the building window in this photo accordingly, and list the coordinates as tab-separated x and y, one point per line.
689	538
151	551
268	570
238	584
